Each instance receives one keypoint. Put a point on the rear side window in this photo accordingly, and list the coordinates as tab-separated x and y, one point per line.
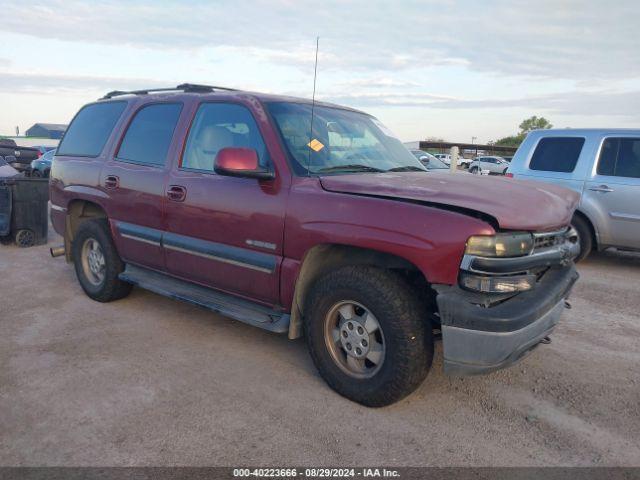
90	129
557	154
620	157
149	135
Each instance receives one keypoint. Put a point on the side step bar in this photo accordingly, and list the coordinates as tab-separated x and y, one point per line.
222	303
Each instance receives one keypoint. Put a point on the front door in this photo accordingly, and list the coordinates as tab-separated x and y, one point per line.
614	191
224	232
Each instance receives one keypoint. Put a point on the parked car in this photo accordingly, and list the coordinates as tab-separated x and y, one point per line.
494	165
42	166
429	161
603	166
446	158
7	170
18	157
224	199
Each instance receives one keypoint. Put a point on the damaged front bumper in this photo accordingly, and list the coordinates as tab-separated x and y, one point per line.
479	339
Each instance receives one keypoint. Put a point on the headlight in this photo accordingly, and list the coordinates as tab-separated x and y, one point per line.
516	283
500	245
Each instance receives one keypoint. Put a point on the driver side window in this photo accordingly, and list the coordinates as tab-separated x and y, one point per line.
217	126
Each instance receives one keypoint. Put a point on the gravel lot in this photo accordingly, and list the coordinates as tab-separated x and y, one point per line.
152	381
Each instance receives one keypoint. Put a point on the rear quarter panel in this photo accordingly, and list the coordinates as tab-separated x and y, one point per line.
78	178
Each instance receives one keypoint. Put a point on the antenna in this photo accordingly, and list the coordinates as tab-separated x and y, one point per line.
313	105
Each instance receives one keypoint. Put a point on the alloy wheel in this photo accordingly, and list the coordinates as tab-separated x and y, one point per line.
354	339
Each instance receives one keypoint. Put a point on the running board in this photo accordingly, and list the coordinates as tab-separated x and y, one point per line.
222	303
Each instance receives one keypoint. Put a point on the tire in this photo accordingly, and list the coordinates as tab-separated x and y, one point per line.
25	238
404	332
473	170
36	173
47	173
585	237
102	283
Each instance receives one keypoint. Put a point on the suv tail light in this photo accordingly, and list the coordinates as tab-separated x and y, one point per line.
508	175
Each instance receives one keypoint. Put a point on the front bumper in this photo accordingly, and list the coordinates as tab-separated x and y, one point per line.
478	339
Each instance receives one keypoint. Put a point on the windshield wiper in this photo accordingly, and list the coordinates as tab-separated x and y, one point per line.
354	167
407	168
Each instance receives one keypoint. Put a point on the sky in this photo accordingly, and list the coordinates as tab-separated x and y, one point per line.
430	69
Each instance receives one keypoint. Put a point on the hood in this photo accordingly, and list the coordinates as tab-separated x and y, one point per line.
515	204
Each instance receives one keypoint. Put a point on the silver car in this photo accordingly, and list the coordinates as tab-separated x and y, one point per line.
429	161
494	165
603	165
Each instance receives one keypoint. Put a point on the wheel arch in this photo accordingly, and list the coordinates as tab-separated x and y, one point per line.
323	258
78	211
594	235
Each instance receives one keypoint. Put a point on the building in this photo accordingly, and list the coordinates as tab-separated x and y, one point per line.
46	130
465	149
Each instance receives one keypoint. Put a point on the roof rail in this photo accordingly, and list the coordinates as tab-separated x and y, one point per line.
184	87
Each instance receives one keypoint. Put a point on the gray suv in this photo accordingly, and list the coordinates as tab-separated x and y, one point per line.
603	165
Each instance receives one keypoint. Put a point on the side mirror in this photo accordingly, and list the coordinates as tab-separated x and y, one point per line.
240	162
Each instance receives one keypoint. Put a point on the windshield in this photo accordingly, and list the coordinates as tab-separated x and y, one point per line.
342	141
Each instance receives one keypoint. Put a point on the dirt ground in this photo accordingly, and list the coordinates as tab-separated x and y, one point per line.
152	381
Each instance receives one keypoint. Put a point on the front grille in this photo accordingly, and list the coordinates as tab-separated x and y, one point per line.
544	241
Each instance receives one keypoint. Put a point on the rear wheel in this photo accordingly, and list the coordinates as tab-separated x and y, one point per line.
97	262
585	238
368	335
473	170
36	173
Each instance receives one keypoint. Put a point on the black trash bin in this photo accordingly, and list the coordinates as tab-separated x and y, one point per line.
23	210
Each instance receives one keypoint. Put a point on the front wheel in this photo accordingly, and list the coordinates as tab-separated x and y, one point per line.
368	335
97	262
585	239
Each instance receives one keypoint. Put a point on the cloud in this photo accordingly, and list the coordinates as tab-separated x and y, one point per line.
16	82
374	93
571	39
579	103
376	82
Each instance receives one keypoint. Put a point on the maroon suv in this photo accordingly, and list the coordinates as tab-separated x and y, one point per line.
311	219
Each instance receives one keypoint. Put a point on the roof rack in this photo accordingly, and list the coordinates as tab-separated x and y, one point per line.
184	87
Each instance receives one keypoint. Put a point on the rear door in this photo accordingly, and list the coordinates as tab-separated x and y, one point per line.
225	232
134	180
613	190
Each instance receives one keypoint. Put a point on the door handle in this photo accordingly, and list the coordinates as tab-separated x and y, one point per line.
601	188
111	182
177	193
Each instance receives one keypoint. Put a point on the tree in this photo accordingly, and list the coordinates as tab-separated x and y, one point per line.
534	123
510	141
531	123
